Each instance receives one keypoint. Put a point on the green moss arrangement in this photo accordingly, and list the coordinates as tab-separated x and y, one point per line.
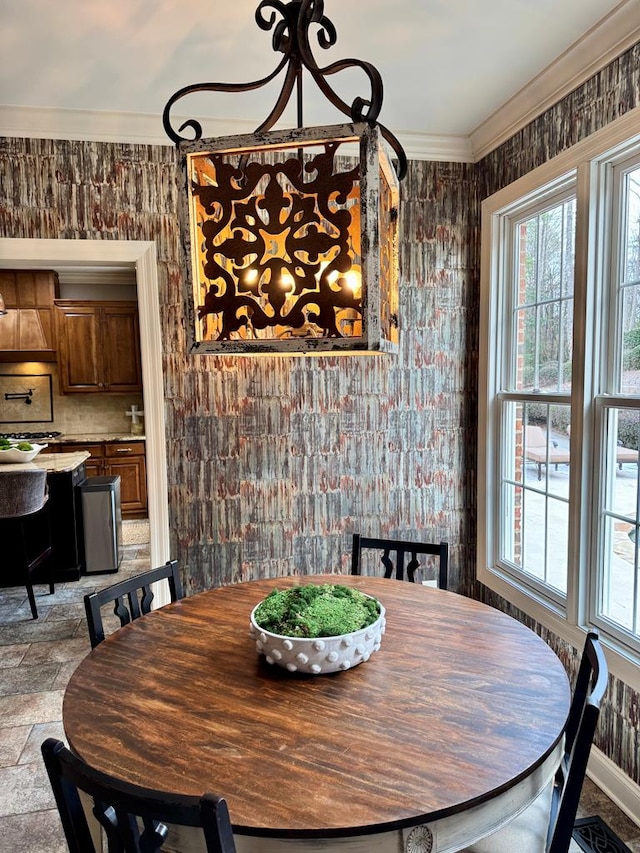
316	610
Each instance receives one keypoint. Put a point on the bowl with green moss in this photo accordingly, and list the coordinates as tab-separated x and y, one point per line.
317	628
18	451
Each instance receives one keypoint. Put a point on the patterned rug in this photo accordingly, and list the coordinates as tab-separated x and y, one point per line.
593	835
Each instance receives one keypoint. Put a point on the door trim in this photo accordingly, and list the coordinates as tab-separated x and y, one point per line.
139	255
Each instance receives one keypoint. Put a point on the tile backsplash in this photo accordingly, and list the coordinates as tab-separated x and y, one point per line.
73	414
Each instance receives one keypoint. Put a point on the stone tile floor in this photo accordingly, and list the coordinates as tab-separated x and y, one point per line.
37	659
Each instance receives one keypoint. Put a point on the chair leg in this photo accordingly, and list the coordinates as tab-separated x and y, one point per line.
52	587
27	573
32	599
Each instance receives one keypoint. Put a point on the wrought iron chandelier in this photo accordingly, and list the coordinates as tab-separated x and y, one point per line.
290	239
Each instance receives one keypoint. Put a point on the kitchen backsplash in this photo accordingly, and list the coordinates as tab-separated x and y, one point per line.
73	414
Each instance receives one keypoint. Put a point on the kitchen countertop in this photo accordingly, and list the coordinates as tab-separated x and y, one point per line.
94	437
52	463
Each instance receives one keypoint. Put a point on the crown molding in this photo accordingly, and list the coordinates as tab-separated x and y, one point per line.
430	146
146	129
101	125
608	39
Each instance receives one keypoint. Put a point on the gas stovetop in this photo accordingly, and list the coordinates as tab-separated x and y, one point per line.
30	436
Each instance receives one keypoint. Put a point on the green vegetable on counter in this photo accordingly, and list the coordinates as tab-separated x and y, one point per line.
316	610
24	445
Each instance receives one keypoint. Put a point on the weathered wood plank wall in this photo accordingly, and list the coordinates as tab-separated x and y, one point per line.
591	106
274	462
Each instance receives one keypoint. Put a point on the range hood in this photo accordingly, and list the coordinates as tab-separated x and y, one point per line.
27	331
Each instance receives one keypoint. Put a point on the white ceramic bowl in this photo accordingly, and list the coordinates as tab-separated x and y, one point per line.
15	455
318	655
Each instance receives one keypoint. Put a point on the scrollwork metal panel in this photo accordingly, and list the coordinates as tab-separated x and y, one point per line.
291	239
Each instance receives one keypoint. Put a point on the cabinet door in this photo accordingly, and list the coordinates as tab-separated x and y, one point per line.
94	465
98	346
121	348
127	460
28	325
79	349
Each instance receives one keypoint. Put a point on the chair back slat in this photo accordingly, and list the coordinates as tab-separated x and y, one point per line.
121	610
393	557
134	819
388	565
131	598
146	599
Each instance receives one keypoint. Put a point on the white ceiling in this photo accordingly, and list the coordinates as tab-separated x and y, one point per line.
447	65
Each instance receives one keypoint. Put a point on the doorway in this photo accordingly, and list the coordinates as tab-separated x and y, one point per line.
141	257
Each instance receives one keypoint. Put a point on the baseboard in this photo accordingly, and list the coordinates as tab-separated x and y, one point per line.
622	790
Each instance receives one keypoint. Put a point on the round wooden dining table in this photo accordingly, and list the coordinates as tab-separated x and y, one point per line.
447	732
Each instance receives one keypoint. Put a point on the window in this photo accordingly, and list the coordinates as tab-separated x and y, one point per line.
559	504
534	395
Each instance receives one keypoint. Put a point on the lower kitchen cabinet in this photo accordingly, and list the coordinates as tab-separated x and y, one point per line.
127	460
123	458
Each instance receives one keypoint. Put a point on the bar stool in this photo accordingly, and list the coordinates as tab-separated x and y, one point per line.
23	494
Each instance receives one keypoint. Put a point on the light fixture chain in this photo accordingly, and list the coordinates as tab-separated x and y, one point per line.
291	37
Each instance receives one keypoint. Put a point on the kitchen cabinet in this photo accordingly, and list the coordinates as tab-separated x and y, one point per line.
98	346
27	331
127	460
123	458
64	527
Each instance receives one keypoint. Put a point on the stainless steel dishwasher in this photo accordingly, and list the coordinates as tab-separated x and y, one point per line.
102	522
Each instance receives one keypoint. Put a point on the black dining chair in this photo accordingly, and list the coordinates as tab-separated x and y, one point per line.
131	598
134	819
23	504
547	824
393	557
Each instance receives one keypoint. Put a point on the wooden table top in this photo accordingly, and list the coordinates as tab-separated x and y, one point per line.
460	703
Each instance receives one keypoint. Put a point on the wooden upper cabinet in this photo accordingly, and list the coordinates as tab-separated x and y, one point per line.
27	331
79	351
98	346
122	352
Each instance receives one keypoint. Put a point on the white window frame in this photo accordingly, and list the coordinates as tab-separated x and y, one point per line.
555	193
586	163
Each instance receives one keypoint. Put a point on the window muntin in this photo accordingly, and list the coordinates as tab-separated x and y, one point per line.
542	274
534	500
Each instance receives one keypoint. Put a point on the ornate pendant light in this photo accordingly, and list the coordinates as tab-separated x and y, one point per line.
291	236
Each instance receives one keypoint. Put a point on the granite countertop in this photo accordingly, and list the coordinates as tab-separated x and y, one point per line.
95	437
52	463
